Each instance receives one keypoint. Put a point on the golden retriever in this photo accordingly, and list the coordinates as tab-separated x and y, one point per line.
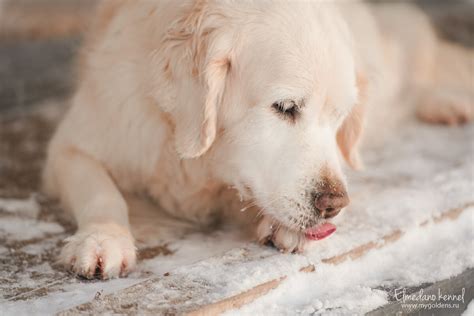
193	101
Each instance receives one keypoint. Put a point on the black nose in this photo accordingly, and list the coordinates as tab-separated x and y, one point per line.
328	204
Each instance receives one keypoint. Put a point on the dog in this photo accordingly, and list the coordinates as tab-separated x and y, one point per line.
208	106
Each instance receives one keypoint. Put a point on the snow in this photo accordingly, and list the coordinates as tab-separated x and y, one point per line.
29	228
69	296
423	254
27	207
469	310
24	225
68	292
193	248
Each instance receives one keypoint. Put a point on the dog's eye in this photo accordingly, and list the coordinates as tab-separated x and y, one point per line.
287	108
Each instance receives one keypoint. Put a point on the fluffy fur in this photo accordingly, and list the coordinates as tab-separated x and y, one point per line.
211	105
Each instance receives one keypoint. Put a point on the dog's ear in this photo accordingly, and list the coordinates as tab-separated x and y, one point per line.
350	132
196	122
196	66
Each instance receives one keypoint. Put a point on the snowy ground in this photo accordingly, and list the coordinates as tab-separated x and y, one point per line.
395	223
388	236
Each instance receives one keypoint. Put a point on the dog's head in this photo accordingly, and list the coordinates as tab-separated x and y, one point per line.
270	94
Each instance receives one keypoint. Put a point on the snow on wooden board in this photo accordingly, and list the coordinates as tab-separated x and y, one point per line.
219	284
414	202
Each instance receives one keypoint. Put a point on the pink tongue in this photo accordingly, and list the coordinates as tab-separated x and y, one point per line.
320	231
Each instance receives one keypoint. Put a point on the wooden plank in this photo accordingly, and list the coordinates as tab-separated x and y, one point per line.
260	290
184	292
243	298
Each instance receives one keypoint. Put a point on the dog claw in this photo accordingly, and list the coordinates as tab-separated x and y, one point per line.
115	259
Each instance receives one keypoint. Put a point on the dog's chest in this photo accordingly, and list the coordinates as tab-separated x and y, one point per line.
183	188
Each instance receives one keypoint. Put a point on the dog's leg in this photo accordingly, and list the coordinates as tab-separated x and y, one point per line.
449	99
103	245
446	106
438	74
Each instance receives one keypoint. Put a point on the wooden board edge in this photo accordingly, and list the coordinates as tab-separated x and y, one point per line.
260	290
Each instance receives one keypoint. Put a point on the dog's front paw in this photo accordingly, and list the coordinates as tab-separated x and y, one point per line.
100	251
281	237
446	107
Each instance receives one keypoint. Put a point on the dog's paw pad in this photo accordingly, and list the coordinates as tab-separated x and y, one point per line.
99	253
446	108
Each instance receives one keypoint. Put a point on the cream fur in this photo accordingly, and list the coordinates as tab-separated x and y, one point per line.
175	101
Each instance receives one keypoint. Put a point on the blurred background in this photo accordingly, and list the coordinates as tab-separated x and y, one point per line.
39	39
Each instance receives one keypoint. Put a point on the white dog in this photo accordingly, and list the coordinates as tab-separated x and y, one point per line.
196	101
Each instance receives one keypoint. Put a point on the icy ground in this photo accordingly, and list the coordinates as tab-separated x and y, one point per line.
425	172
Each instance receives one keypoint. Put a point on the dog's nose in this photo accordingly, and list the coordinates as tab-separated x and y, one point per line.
329	204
